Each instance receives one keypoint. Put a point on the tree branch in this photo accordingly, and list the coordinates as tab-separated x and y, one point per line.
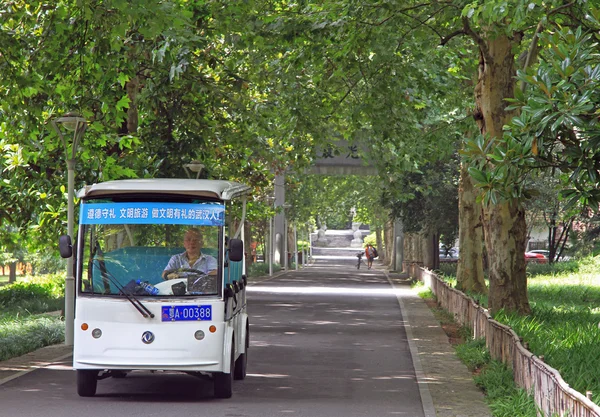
478	39
532	52
448	38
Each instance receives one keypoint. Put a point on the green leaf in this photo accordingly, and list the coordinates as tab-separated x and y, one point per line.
123	103
477	175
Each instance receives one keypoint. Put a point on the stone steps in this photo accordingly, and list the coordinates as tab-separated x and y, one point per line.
336	239
320	251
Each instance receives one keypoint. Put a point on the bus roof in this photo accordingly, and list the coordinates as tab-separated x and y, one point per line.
220	189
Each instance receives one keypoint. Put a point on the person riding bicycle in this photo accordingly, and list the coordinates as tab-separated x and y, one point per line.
359	255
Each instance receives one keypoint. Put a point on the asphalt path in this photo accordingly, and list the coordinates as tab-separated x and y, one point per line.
326	341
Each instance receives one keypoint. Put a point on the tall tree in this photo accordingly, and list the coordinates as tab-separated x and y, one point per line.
499	28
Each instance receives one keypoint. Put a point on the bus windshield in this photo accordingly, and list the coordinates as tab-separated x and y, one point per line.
151	249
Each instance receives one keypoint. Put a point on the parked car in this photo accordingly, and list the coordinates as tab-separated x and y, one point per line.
546	253
451	253
539	258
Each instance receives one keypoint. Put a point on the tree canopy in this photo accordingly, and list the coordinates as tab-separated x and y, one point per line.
254	88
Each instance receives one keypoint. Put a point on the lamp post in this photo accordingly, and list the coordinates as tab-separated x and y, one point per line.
194	166
76	124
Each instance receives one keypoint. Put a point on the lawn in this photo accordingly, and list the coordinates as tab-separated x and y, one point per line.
24	323
564	326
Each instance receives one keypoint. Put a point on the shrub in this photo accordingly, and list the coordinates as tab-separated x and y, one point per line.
33	295
19	336
258	269
47	262
474	354
370	238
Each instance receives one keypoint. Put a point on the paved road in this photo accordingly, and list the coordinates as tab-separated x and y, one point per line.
325	341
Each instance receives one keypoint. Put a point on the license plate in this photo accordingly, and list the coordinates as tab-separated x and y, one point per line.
186	313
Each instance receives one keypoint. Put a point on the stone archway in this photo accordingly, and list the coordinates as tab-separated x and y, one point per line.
341	158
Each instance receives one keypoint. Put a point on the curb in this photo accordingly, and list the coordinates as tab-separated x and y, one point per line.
426	399
40	358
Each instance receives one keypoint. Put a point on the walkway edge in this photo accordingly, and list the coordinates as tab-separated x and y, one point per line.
426	399
32	367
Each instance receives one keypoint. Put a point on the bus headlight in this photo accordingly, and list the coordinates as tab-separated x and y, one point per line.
96	333
199	335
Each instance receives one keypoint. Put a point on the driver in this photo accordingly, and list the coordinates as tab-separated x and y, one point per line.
192	258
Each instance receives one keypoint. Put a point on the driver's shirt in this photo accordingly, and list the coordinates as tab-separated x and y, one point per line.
205	263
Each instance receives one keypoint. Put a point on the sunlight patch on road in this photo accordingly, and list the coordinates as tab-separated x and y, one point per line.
270	376
332	290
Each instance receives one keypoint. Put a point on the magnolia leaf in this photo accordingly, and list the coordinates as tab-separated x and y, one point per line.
478	175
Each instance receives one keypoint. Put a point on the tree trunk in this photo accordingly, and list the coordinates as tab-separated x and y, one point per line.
425	249
132	87
469	272
379	243
504	223
12	272
505	236
388	237
431	252
248	243
413	248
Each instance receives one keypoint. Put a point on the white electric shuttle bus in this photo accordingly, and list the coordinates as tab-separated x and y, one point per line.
134	313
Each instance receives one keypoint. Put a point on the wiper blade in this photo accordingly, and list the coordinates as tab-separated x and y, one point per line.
139	306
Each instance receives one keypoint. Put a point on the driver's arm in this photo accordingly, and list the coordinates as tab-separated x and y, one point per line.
211	265
170	266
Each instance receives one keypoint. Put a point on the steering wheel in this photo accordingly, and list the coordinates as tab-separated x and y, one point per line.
197	282
184	273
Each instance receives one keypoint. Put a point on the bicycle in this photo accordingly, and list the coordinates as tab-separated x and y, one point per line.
359	256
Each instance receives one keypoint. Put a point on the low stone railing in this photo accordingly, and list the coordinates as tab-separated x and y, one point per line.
551	393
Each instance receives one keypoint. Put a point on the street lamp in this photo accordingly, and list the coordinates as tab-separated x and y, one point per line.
194	166
76	124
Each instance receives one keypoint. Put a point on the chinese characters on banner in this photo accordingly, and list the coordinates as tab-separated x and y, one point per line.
152	213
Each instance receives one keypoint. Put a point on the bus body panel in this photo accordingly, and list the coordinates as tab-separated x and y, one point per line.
174	346
129	230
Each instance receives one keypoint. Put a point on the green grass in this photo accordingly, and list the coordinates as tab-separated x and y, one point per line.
495	379
258	269
21	335
564	326
23	326
504	398
474	354
32	295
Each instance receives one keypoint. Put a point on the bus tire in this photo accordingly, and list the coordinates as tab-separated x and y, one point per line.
87	381
242	360
223	382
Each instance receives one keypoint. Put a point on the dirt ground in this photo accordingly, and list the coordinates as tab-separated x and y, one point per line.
450	328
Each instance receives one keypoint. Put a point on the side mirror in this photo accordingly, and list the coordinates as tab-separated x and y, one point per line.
236	250
65	247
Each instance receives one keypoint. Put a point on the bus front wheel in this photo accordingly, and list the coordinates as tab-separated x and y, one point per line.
87	381
223	382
